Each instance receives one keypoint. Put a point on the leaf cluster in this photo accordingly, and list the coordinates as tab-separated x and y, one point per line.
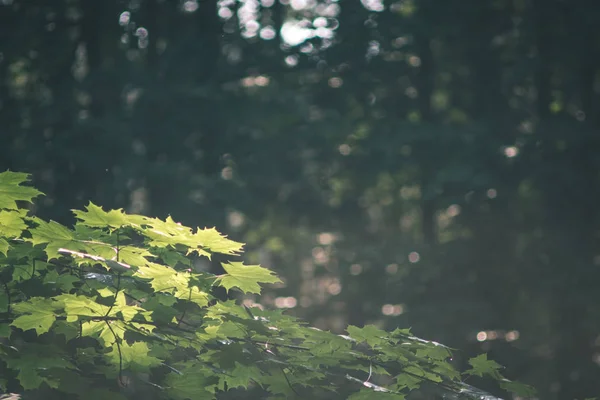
115	307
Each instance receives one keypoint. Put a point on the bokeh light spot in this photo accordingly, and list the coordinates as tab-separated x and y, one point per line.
481	336
414	257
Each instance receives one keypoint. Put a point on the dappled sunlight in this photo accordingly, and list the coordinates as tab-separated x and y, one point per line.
414	257
286	302
251	81
392	310
511	151
391	269
356	269
508	336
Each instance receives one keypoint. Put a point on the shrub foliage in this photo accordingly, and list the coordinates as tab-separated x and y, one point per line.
114	307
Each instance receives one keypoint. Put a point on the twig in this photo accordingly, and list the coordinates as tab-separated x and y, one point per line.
120	354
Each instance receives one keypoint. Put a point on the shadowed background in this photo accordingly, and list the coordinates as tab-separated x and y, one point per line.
421	163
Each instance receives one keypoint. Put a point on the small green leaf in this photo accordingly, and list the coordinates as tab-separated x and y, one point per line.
167	280
29	378
370	334
4	246
517	388
11	190
246	277
195	382
40	322
213	241
40	314
57	236
132	356
11	224
240	376
482	366
407	381
96	217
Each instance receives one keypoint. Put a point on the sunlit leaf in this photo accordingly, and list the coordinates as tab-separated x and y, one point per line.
56	236
11	224
247	278
96	217
134	356
11	190
213	241
40	314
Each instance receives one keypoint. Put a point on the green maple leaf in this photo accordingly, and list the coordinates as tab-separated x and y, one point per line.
57	236
195	382
11	224
415	370
22	272
213	241
518	388
434	351
370	334
36	357
165	233
96	217
167	280
4	246
62	281
482	366
240	376
11	190
134	255
447	370
29	378
41	322
81	306
40	314
246	277
101	331
407	381
134	356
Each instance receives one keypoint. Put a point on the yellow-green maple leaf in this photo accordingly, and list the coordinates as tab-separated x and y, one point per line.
247	278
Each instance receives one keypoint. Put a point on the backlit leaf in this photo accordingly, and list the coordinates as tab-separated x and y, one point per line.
96	217
40	314
57	236
11	224
247	278
11	190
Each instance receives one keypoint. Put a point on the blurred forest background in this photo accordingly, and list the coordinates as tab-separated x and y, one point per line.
422	163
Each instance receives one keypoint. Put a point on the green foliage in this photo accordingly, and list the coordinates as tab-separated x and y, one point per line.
116	305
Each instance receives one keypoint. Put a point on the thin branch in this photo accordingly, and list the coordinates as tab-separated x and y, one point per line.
116	294
120	354
289	383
